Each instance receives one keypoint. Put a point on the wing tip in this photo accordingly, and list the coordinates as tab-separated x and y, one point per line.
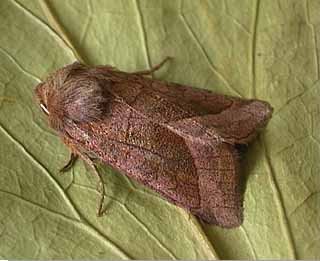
265	110
224	217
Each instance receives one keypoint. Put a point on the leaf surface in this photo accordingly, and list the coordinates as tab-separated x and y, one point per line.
253	49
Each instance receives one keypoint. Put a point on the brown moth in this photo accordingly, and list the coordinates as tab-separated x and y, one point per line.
182	142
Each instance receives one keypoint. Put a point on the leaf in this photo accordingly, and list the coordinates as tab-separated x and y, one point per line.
251	48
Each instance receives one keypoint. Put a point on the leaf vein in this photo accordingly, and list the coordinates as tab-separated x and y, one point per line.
44	25
143	34
43	169
85	226
279	202
203	51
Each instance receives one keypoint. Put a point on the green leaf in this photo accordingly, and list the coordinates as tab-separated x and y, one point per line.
253	49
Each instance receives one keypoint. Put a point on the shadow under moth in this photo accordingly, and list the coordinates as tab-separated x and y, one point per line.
184	143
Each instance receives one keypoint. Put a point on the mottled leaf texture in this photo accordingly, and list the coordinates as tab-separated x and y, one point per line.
177	140
258	49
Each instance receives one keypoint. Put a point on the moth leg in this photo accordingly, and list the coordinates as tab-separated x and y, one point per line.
100	211
101	189
89	161
70	163
154	68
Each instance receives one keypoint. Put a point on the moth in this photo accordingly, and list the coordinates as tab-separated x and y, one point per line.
184	143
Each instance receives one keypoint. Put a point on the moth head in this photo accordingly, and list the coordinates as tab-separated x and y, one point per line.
41	96
70	95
